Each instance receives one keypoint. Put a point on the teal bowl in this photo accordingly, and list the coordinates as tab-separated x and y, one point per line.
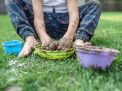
12	47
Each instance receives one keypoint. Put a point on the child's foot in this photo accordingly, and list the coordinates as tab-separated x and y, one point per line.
80	43
28	46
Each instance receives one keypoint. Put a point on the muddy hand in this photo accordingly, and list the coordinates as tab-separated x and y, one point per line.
46	43
54	45
65	44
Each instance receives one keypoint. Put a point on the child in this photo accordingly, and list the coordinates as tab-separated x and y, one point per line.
53	19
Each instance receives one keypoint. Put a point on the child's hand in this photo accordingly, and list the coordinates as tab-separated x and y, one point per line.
54	45
46	43
65	43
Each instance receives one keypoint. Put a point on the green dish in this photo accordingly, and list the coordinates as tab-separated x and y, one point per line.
53	55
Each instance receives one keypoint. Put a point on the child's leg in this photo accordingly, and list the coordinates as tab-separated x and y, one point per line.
21	16
59	24
56	24
89	17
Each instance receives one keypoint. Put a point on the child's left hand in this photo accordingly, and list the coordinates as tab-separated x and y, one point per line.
65	43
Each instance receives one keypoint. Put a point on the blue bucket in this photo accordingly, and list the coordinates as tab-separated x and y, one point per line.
12	47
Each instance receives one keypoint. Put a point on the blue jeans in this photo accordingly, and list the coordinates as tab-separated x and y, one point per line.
22	18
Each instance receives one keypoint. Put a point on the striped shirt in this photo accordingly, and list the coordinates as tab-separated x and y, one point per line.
59	6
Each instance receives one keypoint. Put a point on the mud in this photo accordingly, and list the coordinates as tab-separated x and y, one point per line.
54	46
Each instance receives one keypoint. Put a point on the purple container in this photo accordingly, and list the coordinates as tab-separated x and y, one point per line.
95	57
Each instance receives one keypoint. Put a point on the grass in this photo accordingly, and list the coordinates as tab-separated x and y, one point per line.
65	75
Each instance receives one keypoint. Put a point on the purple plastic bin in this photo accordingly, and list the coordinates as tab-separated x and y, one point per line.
95	57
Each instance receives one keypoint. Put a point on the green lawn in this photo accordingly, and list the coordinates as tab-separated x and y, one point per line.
65	75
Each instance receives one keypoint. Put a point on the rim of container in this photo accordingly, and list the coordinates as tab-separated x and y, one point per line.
100	50
6	43
56	51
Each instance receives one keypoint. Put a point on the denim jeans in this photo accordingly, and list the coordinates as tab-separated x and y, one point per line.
22	18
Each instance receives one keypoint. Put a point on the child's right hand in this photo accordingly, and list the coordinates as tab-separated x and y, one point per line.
46	41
